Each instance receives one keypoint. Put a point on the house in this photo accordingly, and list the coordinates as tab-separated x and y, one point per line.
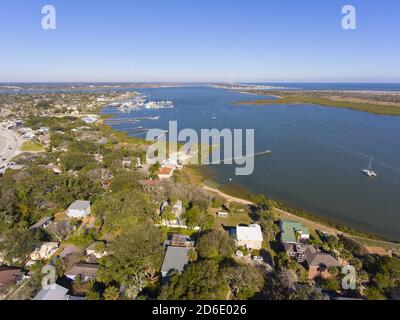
96	249
222	214
179	240
9	276
318	263
42	223
297	251
175	260
138	162
90	119
79	209
249	237
85	271
44	139
52	292
177	209
45	251
293	232
165	172
98	157
126	162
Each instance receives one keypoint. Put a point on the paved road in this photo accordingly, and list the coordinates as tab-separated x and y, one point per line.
10	143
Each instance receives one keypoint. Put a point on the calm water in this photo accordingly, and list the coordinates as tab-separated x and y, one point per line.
317	153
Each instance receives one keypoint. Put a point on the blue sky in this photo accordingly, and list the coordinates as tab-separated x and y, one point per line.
207	40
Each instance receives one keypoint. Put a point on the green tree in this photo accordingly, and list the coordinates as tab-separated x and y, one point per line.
201	281
111	293
215	244
244	280
18	243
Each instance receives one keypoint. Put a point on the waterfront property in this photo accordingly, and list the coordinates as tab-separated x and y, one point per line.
250	237
293	232
318	264
79	209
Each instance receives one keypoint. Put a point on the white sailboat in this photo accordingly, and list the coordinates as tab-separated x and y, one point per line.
369	172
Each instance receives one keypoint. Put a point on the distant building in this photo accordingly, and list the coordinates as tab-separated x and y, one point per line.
249	237
175	260
90	119
86	271
79	209
126	162
165	172
222	214
52	292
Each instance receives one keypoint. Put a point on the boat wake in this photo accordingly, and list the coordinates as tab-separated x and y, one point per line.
339	146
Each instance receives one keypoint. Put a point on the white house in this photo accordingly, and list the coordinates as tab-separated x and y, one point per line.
79	209
249	237
45	251
52	292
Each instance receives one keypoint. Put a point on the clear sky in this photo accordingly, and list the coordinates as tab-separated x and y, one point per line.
193	40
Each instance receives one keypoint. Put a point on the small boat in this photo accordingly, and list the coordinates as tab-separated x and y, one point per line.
369	172
214	118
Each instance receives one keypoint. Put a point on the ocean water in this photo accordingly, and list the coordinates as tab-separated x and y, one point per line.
317	153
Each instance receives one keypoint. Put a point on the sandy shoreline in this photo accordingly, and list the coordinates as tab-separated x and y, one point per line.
307	222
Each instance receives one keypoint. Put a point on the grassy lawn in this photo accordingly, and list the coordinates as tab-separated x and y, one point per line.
32	147
235	219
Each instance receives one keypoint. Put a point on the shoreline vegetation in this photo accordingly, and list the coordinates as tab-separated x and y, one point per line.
376	102
315	222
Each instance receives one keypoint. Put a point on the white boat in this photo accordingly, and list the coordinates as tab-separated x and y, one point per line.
369	172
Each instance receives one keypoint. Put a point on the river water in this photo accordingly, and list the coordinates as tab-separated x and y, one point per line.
317	153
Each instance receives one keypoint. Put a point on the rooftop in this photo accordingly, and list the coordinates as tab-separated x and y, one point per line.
252	232
83	269
53	292
79	205
40	223
289	230
175	259
165	171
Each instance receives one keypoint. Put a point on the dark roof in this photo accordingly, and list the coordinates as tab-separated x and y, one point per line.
175	259
83	269
40	223
9	275
318	258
